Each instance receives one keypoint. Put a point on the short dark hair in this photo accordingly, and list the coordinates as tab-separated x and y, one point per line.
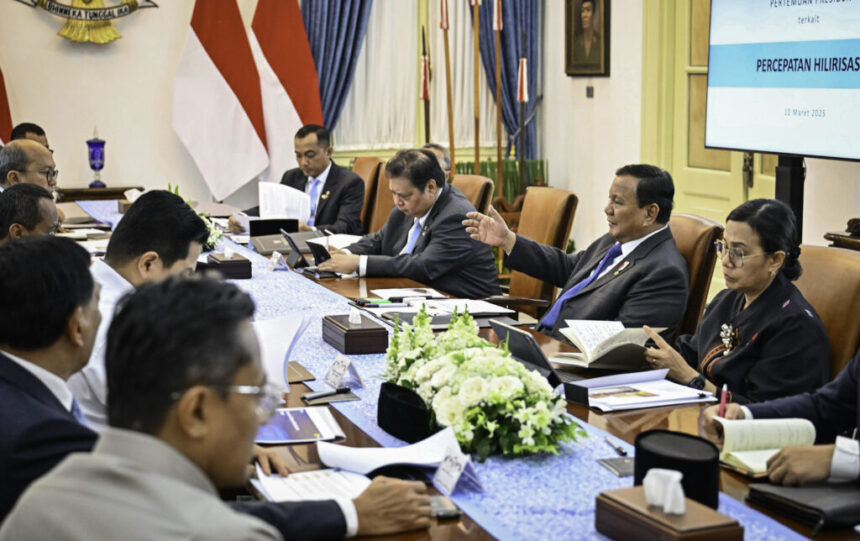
446	156
655	186
775	224
12	158
418	165
323	136
166	337
19	204
159	221
21	130
44	279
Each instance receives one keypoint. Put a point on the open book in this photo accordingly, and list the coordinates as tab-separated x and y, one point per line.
604	344
748	444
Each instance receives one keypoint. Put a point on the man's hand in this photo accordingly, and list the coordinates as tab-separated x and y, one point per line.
665	356
234	226
798	464
342	263
490	229
270	461
303	227
391	506
710	429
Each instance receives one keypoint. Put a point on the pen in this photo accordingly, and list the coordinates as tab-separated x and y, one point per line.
618	449
723	394
323	394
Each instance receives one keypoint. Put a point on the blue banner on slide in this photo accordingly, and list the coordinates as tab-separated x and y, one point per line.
795	64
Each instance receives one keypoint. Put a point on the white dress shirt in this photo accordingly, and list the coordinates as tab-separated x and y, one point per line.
53	382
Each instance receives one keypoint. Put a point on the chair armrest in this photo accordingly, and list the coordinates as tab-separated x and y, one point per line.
502	300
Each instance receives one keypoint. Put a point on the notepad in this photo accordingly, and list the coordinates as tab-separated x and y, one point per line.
749	444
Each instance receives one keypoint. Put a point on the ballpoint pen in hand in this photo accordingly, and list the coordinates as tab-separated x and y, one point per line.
723	394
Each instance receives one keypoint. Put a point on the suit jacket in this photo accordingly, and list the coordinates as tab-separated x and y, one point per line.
834	409
340	202
37	433
780	348
648	287
444	257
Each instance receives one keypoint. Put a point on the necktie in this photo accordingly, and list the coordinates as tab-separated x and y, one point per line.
315	192
78	414
414	233
550	318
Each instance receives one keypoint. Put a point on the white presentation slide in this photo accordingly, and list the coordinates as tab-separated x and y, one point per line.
784	77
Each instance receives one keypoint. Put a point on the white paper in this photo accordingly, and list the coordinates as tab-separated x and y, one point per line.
339	241
277	339
300	425
281	201
428	452
473	306
408	292
95	246
663	489
310	486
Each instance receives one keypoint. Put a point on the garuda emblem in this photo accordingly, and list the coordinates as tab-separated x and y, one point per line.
90	20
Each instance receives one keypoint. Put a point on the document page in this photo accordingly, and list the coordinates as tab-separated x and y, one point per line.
473	306
588	334
339	241
644	395
428	452
756	434
397	294
278	337
281	201
310	486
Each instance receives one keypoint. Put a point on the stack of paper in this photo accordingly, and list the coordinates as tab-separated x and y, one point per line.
310	486
282	201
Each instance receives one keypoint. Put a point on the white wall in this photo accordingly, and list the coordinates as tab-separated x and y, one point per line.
125	88
587	139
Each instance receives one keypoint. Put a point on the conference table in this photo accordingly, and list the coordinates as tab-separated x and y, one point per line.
533	497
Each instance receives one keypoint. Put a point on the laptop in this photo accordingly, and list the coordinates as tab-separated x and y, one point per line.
526	350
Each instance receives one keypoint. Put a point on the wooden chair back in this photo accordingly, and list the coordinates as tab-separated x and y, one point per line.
477	189
830	281
546	217
383	202
695	238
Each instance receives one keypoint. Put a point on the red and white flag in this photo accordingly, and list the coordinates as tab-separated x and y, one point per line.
522	82
288	79
217	109
5	117
497	15
443	19
425	78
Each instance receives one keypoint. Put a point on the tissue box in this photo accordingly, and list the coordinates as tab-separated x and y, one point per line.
236	267
624	514
365	337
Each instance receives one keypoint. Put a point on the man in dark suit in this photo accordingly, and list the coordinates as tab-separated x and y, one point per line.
633	274
27	210
47	334
337	194
834	409
423	239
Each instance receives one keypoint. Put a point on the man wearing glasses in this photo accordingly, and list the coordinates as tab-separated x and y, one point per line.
26	161
188	394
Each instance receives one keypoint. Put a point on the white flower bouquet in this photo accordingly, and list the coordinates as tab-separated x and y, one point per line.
494	404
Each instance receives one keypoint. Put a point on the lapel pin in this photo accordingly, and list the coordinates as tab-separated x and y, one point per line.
325	195
622	267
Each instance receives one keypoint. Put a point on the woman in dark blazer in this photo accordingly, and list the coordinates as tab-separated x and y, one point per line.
759	336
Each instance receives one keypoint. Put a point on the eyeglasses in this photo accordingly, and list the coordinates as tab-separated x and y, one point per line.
269	396
50	174
736	255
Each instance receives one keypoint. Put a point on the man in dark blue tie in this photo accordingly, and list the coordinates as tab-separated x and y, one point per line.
634	274
423	238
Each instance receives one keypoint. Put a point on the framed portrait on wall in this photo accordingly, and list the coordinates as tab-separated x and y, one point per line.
586	38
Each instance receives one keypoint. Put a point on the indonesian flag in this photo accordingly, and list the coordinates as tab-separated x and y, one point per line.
217	109
497	15
425	78
288	79
443	19
522	82
5	117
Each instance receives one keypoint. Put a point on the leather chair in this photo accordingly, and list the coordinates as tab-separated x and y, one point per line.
831	283
546	217
477	189
383	202
695	238
367	168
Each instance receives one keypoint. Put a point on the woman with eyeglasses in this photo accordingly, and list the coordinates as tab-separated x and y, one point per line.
759	336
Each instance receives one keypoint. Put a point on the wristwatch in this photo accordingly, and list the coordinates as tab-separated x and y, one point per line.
697	382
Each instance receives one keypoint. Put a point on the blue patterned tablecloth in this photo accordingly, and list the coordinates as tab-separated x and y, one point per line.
535	497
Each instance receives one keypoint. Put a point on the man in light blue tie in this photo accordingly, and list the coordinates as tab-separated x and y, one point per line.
423	238
633	274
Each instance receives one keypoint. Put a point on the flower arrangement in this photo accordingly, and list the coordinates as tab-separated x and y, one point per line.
494	404
214	232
